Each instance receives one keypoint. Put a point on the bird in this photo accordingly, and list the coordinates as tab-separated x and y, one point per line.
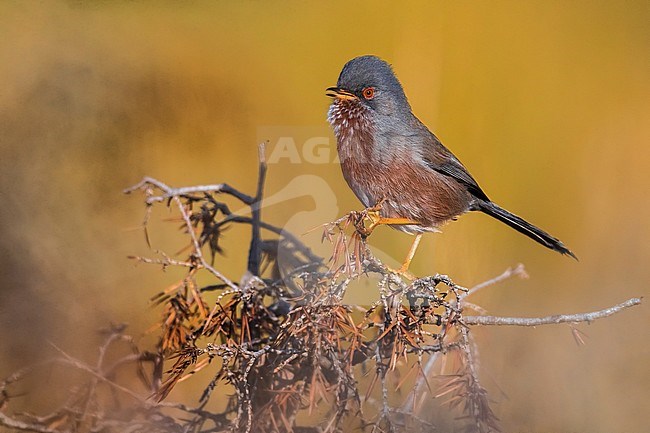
399	170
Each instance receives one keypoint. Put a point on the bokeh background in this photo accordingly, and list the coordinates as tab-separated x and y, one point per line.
547	103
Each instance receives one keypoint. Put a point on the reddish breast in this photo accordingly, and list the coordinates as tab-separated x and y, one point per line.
410	189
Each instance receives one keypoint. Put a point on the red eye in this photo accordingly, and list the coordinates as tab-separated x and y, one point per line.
369	92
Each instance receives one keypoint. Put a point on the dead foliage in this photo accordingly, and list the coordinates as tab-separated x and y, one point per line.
281	346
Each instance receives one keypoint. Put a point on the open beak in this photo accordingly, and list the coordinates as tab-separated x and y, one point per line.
337	92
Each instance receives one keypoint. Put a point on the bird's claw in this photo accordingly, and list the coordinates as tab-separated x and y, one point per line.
367	220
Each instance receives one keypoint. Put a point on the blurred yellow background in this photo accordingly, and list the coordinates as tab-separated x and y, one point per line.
547	104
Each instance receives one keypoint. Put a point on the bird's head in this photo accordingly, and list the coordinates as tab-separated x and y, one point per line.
369	82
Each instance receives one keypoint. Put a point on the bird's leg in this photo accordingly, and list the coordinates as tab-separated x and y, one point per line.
370	219
404	269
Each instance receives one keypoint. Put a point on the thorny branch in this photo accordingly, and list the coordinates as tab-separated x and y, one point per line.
281	342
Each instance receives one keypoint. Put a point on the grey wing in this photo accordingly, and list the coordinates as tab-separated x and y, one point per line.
440	159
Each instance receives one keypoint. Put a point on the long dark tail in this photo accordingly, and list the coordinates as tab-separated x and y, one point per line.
522	226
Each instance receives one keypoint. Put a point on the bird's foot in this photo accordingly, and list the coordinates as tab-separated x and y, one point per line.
367	220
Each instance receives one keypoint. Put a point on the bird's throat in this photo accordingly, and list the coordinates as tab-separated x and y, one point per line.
353	128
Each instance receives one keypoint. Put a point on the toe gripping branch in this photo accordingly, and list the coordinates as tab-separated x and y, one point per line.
368	219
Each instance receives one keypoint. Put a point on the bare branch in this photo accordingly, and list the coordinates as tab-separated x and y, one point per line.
15	424
187	192
304	249
164	262
518	270
550	320
255	250
97	374
197	247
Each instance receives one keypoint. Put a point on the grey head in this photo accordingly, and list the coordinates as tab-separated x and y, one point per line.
371	81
